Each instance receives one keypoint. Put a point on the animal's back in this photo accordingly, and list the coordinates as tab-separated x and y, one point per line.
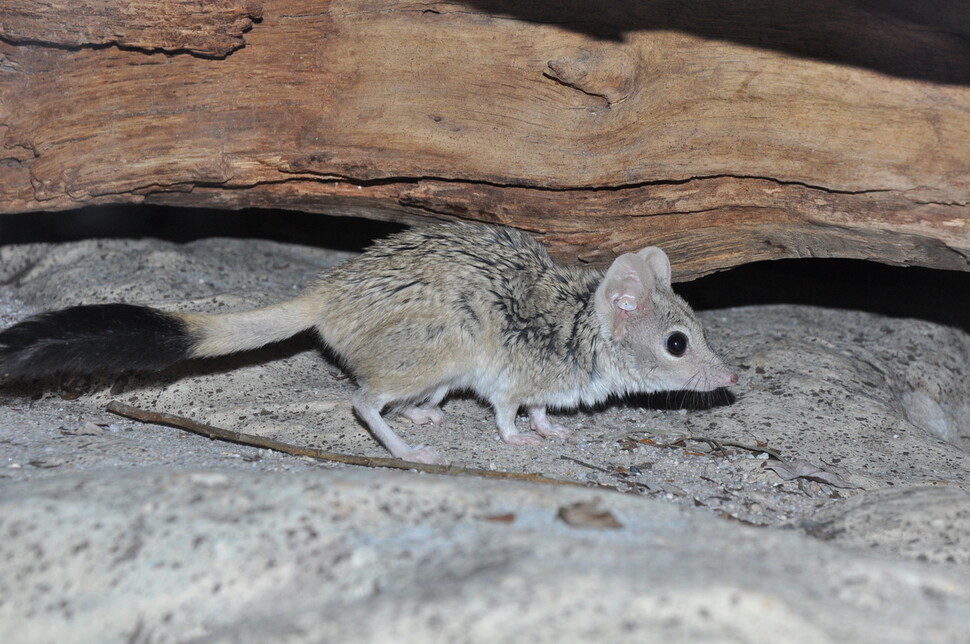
453	301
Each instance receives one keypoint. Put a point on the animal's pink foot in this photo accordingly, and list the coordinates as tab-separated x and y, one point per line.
539	422
554	430
422	454
424	415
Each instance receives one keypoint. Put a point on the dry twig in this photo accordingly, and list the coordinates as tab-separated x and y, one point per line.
681	442
240	438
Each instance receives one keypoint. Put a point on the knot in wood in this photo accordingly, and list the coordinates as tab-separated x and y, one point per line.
610	73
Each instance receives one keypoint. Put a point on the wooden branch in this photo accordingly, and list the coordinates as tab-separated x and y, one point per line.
601	127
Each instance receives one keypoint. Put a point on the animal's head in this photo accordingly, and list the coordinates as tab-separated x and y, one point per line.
655	327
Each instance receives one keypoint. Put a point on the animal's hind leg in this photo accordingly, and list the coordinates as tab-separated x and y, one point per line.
428	411
368	406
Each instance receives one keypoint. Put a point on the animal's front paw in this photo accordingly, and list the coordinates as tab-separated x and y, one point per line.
554	430
539	422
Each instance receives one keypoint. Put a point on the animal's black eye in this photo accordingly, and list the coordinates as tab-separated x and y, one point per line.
676	344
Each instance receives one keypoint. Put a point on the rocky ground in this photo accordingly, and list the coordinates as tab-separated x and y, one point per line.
825	499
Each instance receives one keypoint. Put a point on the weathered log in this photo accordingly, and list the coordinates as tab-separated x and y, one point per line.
788	128
211	28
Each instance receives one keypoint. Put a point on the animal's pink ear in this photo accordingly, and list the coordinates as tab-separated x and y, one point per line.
626	289
658	262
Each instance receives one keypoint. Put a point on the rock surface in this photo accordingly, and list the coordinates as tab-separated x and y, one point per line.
114	530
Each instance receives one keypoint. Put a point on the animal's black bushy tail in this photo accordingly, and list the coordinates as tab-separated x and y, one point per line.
84	339
126	337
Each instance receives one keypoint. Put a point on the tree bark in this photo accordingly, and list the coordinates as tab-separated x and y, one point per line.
769	129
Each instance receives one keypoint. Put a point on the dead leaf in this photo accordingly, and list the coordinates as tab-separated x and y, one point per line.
802	469
501	518
587	514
